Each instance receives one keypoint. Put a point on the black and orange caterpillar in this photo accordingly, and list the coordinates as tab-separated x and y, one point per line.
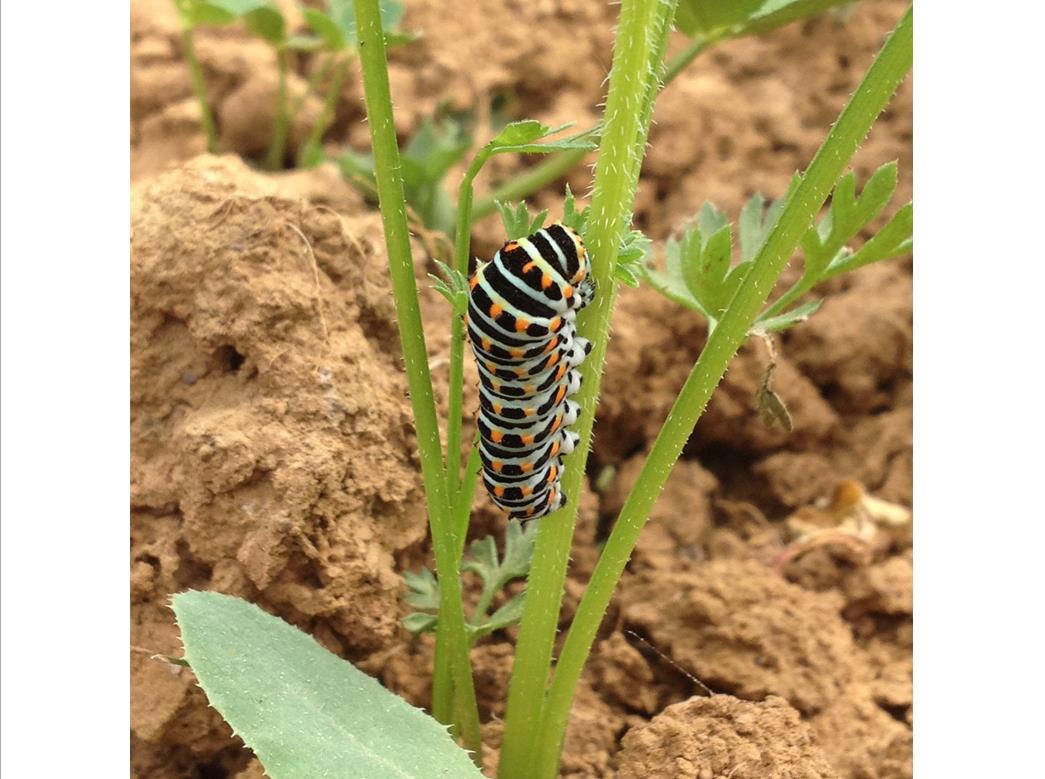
522	311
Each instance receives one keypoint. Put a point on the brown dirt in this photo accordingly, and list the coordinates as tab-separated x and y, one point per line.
273	454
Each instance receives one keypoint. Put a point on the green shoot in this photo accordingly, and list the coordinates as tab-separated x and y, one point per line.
495	572
518	223
698	272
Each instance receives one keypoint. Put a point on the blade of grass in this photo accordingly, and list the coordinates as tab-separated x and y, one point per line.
451	638
637	54
281	123
845	137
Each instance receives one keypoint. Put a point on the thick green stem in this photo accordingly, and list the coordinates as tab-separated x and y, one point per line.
558	165
827	166
451	638
641	35
199	86
281	124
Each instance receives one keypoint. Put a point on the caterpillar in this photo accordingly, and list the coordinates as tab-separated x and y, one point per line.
521	322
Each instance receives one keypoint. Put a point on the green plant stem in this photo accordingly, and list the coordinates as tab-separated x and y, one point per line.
281	123
463	243
315	136
451	637
641	34
845	137
558	165
681	61
466	494
797	290
199	86
318	76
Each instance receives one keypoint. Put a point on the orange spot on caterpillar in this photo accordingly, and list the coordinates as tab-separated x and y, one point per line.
556	423
546	281
498	490
525	490
567	292
473	282
529	267
521	373
526	467
555	324
521	325
529	389
555	449
495	310
527	439
553	359
497	408
496	436
487	344
511	246
529	411
517	354
562	371
497	465
560	395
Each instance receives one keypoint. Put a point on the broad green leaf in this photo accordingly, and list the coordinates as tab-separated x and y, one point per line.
305	712
749	227
325	27
267	22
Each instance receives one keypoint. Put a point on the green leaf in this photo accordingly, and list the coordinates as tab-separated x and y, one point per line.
633	255
518	552
823	244
509	614
521	138
734	18
423	589
571	217
325	27
776	324
893	240
305	712
452	285
754	227
267	22
517	222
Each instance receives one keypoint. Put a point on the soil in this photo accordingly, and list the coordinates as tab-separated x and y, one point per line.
273	453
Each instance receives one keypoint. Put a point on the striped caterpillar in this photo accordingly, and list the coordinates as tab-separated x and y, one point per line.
522	310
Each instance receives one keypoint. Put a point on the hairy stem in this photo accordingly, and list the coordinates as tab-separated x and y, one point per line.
199	87
641	35
845	137
451	638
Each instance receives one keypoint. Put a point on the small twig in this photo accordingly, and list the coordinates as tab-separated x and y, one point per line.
672	663
315	277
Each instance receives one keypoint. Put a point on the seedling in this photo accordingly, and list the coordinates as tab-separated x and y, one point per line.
256	671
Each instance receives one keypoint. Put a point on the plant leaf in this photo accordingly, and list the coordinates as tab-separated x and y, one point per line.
423	589
517	222
267	22
521	138
571	217
780	322
305	712
325	27
509	614
734	18
893	240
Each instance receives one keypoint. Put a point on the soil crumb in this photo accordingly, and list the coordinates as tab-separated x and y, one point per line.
723	737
